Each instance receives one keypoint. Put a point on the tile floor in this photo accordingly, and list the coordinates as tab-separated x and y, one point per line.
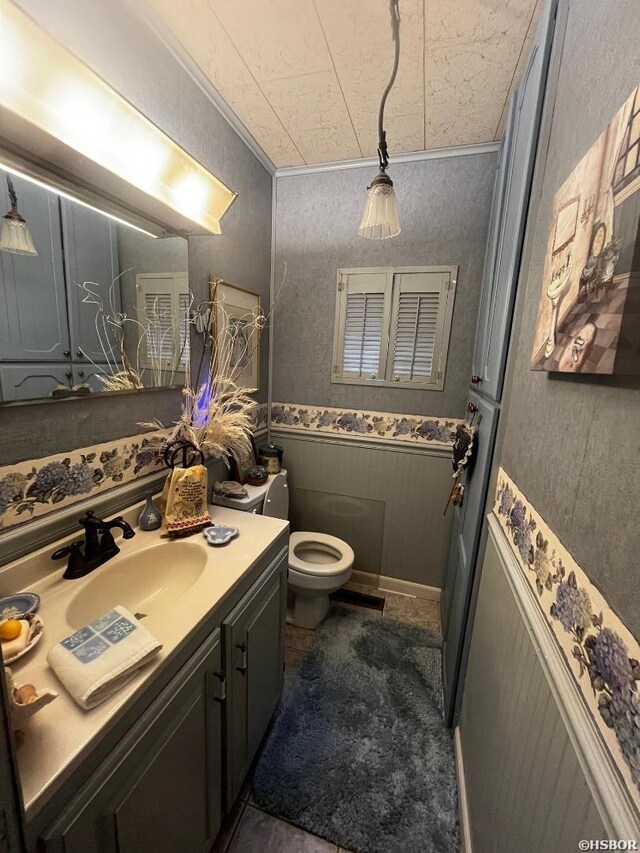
250	830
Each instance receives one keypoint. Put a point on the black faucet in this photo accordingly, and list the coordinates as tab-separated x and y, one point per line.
98	545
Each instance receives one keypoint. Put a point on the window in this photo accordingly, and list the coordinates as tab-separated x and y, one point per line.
392	326
627	170
163	309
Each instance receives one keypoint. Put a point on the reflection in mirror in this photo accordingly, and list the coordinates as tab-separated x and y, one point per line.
102	306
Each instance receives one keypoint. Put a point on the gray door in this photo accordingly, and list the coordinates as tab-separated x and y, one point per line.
33	308
463	551
513	185
254	664
91	255
161	790
512	189
33	381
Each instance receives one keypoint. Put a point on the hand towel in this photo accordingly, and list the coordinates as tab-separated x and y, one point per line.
100	658
184	499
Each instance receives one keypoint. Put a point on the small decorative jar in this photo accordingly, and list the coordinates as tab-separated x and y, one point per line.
150	518
271	457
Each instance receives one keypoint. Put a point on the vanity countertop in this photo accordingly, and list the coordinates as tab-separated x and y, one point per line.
60	736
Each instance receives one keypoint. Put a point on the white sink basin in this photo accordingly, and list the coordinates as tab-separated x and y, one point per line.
144	582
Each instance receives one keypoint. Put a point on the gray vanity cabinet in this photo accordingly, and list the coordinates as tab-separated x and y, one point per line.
254	662
33	380
33	307
161	789
91	255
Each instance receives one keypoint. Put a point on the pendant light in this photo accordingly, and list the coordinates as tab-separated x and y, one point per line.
380	217
15	237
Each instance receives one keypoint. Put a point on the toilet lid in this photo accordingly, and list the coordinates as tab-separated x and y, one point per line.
344	562
276	499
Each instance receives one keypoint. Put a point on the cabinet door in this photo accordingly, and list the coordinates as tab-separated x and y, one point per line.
33	308
91	255
254	661
501	274
32	381
162	789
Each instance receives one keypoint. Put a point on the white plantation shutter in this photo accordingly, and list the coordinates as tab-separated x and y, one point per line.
392	326
417	326
363	307
163	303
363	333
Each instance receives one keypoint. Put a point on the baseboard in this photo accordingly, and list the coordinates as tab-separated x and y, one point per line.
463	810
417	590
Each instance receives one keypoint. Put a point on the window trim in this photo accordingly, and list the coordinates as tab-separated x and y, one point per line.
437	380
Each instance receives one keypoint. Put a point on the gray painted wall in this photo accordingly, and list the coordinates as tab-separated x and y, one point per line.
444	209
385	502
116	44
525	787
571	443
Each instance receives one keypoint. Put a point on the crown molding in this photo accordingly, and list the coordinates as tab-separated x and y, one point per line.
188	64
409	157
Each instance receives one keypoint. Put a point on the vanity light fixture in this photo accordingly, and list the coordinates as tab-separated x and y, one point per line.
15	237
380	218
51	188
62	99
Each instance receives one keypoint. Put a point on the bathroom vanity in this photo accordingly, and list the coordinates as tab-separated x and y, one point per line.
157	765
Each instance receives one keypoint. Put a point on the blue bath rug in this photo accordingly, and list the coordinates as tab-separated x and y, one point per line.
359	753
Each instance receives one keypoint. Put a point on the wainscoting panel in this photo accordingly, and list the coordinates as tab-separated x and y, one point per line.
403	489
526	786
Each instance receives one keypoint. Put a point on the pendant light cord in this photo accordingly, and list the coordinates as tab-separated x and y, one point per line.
383	155
13	198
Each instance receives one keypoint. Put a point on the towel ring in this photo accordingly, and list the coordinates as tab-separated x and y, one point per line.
191	455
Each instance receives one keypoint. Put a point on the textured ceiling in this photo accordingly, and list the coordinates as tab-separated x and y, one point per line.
305	76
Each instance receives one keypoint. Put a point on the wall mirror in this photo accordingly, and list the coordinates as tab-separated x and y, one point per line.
100	307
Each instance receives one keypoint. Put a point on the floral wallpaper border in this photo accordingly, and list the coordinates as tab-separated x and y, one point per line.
36	487
602	655
412	429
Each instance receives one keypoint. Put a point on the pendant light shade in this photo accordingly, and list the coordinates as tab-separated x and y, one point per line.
15	237
380	218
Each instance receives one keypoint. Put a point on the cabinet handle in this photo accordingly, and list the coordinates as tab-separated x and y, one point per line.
79	353
67	353
242	667
475	379
217	686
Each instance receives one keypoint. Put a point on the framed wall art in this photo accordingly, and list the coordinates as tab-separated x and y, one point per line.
589	312
236	333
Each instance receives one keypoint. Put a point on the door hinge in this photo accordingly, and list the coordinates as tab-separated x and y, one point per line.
439	375
335	368
217	686
340	283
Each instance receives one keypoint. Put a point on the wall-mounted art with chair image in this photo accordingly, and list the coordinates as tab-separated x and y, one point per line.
589	314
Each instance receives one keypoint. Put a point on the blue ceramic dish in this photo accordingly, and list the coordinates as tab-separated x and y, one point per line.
17	605
219	535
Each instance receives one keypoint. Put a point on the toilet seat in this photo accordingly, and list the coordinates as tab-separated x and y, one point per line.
343	563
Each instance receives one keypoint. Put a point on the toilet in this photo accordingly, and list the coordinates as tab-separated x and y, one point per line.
319	564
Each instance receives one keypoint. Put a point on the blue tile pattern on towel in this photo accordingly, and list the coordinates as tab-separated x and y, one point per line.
93	640
119	630
90	650
101	623
78	638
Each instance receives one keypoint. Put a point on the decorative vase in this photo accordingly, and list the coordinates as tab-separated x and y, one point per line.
150	517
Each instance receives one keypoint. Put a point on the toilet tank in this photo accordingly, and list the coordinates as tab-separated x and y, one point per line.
271	499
